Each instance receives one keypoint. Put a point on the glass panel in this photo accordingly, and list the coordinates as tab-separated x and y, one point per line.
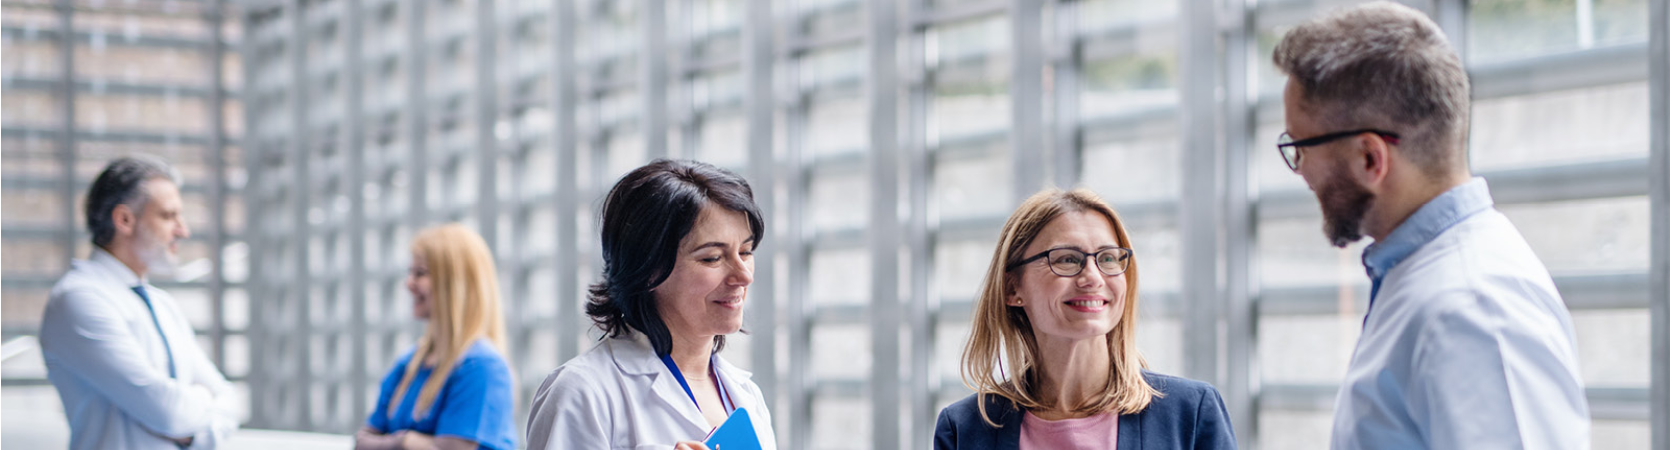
1137	167
966	188
1145	80
1280	429
1509	29
1585	237
1306	349
1614	347
839	422
970	67
1095	15
1603	123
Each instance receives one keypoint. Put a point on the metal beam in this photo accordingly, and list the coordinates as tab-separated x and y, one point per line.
652	82
417	112
217	180
1064	144
354	181
1451	16
104	87
255	201
143	137
487	118
946	13
918	238
1605	403
1026	97
114	40
795	250
1659	193
1561	71
1240	233
1581	293
759	105
1201	212
300	149
1580	181
565	143
883	235
67	136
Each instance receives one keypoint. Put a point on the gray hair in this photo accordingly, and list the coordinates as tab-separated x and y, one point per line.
1386	66
122	183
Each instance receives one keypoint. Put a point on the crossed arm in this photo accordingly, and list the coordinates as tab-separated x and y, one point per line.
86	337
370	439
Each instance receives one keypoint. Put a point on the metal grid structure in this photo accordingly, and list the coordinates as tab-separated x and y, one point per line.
87	82
887	141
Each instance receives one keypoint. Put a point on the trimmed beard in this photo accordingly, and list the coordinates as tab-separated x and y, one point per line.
154	254
1344	204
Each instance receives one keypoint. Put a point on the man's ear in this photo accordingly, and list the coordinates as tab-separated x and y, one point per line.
124	219
1373	162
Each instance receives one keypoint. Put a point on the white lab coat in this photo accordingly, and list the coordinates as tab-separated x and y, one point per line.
619	395
104	355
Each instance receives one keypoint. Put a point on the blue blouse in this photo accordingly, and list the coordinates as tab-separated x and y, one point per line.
477	403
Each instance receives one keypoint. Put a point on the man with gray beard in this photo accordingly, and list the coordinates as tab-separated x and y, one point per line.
1466	344
120	352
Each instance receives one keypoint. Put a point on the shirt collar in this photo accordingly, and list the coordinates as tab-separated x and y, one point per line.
114	267
634	354
1426	224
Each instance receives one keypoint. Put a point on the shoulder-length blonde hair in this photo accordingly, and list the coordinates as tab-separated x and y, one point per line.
463	305
1001	342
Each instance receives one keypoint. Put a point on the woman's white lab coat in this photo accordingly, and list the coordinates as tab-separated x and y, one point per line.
619	395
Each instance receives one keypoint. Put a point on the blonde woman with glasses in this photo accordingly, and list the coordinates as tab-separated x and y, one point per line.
454	390
1052	357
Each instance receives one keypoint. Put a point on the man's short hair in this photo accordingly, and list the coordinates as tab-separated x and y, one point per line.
1386	66
122	183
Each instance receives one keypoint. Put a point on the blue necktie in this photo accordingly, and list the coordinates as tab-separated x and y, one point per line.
141	291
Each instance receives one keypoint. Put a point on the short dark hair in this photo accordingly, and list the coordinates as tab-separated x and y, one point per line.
644	218
122	183
1388	66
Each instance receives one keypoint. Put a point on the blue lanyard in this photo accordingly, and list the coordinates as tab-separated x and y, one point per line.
724	395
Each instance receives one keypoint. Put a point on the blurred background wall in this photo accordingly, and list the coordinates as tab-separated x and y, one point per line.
887	141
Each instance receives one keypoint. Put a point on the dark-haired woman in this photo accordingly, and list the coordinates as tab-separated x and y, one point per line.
678	240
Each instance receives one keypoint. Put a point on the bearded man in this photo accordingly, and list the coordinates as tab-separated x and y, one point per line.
1466	343
119	350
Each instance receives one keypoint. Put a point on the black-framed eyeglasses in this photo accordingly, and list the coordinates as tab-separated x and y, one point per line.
1289	148
1069	262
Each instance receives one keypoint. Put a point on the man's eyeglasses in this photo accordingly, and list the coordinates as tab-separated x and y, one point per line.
1289	148
1069	262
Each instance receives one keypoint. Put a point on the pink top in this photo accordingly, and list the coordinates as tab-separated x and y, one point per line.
1098	432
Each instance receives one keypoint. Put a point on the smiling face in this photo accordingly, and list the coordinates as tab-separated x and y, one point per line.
703	295
418	282
1085	306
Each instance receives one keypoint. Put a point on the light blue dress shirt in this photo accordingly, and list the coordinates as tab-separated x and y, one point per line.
127	366
1466	343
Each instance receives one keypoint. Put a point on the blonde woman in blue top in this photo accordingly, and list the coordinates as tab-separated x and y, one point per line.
459	394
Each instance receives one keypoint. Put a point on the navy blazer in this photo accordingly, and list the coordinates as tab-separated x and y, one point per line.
1189	415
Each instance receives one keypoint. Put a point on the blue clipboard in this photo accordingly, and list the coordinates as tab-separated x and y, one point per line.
737	433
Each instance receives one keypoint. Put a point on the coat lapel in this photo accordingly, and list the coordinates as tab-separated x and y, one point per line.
1130	431
733	377
1004	412
635	358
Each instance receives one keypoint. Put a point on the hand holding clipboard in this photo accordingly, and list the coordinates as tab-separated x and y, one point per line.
737	433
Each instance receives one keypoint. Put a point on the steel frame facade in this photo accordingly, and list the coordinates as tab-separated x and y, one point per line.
515	117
